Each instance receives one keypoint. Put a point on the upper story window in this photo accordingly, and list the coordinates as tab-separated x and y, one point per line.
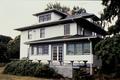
42	32
66	29
79	30
87	33
45	17
29	34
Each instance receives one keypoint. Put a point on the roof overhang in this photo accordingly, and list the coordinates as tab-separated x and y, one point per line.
53	40
91	26
51	10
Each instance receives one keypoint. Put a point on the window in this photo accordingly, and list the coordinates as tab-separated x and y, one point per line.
70	49
39	50
30	34
34	50
42	32
79	30
78	48
42	49
45	17
86	48
45	49
87	33
66	29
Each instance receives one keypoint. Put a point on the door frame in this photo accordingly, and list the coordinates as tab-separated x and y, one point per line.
57	45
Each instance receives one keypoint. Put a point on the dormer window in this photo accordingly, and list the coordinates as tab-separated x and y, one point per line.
45	17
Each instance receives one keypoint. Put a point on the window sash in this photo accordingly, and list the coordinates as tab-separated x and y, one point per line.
87	32
66	29
86	48
40	49
78	48
42	32
45	17
29	34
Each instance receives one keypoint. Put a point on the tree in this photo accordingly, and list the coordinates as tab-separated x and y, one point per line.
13	48
57	6
74	11
5	39
77	10
112	10
3	48
109	51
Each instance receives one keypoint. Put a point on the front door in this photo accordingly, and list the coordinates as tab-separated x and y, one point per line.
57	52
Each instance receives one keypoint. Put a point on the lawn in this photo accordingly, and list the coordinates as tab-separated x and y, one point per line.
13	77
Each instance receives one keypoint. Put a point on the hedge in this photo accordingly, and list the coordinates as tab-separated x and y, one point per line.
27	68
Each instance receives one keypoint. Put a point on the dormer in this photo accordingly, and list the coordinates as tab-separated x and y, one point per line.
50	15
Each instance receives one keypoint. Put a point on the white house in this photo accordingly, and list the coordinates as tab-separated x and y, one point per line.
59	37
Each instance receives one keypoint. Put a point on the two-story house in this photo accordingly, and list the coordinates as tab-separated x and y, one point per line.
59	37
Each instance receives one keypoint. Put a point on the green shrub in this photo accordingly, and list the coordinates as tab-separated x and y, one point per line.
27	68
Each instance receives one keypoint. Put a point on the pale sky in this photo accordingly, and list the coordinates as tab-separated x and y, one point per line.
18	13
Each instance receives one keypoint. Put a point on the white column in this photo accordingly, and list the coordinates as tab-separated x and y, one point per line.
64	52
91	70
50	52
29	52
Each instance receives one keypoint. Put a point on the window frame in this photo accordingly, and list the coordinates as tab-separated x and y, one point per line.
44	49
29	34
67	29
42	32
45	17
82	45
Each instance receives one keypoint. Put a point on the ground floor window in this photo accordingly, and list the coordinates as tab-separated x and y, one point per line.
82	48
40	49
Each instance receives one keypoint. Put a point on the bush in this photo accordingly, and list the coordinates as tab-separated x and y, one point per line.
27	68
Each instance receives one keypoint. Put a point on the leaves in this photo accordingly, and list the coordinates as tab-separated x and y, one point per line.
109	51
13	47
75	10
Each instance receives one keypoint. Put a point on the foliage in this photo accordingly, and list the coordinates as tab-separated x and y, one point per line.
81	74
13	47
4	39
3	48
78	10
109	51
75	10
57	6
3	53
112	10
27	68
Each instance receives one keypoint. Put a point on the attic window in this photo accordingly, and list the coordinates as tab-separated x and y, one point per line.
45	17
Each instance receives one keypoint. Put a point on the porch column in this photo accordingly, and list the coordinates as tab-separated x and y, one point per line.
91	67
29	52
50	52
64	52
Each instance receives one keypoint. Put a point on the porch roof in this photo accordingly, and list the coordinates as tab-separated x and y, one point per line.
62	39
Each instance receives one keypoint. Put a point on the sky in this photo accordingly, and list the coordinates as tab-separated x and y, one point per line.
18	13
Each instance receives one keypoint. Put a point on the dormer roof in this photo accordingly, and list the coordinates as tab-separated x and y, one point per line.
52	10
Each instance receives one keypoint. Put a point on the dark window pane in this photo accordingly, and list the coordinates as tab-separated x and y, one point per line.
87	33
